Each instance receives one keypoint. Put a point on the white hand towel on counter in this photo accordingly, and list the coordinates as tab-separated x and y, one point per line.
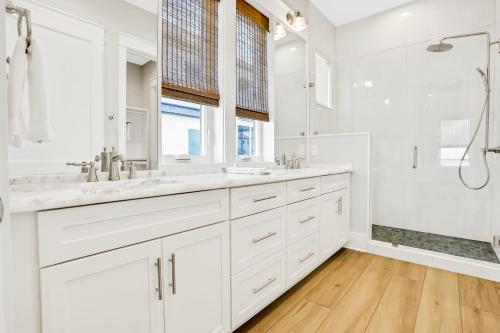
17	77
247	171
40	127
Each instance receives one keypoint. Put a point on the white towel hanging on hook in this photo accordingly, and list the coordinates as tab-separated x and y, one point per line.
17	77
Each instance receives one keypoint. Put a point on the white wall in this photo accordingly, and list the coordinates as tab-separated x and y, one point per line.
349	149
389	85
322	40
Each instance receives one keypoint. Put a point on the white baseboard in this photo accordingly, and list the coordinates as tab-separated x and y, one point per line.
489	271
358	241
484	270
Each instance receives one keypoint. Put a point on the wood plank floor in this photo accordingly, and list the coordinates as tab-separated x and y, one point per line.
361	292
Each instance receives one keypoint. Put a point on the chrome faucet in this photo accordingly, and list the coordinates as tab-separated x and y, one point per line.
114	173
89	168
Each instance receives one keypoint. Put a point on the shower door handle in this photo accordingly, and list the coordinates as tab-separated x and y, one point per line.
415	157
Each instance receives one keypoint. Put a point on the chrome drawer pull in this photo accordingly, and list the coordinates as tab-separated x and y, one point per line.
160	279
307	220
257	290
266	198
260	239
307	189
306	258
174	282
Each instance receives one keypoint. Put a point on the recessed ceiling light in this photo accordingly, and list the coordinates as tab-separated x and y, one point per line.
293	49
405	14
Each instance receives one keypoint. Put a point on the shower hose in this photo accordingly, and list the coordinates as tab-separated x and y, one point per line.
484	152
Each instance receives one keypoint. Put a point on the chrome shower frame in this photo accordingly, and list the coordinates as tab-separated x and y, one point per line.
489	44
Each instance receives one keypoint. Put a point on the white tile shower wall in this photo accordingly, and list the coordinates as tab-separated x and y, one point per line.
352	149
390	86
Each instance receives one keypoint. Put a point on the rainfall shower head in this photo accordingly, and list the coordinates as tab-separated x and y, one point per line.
441	47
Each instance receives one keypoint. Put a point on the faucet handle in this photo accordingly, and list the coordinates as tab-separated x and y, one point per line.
84	165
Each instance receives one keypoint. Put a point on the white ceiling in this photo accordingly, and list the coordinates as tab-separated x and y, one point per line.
344	11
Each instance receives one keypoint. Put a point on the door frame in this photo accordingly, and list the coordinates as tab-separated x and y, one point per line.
6	322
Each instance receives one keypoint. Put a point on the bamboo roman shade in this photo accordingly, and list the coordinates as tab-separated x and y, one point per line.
189	51
252	96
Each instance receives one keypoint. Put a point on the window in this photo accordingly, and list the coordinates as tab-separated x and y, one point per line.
252	28
247	137
252	96
190	51
181	128
454	140
190	82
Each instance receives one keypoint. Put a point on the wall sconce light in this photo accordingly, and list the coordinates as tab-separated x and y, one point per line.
279	32
296	21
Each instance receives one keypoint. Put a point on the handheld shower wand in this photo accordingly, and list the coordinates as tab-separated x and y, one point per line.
442	46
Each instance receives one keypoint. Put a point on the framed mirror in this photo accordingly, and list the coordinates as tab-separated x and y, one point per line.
100	67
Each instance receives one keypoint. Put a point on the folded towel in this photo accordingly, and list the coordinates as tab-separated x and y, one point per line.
247	171
40	127
17	77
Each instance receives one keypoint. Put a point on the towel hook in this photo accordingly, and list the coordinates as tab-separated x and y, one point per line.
21	12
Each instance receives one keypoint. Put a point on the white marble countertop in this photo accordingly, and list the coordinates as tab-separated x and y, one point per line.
37	193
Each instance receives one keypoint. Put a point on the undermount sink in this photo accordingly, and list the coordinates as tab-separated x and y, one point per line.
127	184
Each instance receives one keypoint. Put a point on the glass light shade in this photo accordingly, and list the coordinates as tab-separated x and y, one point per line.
299	23
279	32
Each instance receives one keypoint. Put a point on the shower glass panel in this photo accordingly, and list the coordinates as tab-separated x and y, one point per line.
422	109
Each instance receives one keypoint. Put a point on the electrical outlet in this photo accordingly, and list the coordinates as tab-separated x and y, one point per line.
496	241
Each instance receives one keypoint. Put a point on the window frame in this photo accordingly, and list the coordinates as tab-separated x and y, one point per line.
207	130
259	144
213	124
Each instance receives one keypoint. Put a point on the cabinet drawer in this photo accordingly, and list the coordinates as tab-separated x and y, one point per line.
255	288
256	237
71	233
301	258
298	190
255	199
302	219
335	182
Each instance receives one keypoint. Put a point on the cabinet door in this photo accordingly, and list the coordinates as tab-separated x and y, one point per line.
344	223
197	280
329	222
114	292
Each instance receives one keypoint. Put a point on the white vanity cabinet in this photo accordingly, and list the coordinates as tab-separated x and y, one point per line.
335	214
196	280
197	262
106	293
177	284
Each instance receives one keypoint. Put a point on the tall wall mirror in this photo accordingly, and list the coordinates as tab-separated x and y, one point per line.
100	67
290	91
290	85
